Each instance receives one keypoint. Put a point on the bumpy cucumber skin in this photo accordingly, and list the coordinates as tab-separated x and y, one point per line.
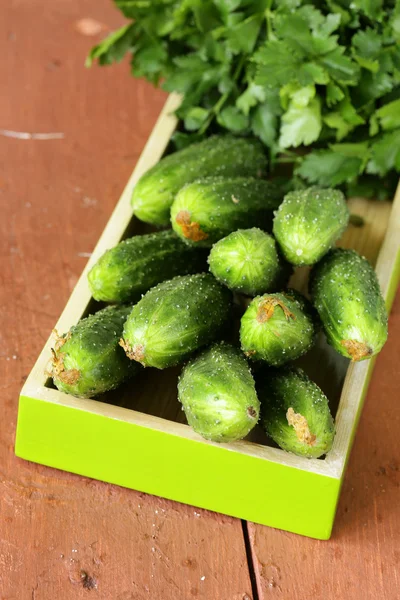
88	360
209	209
218	395
289	388
174	319
349	301
135	265
308	223
247	261
277	328
218	155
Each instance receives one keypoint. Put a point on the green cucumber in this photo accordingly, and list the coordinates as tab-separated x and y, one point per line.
295	412
349	301
135	265
218	155
247	261
209	209
277	328
88	360
308	223
218	394
174	319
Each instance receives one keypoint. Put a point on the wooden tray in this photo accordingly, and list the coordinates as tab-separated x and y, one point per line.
136	436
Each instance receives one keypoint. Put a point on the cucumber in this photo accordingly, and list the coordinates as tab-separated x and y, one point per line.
88	360
277	328
247	261
349	301
174	319
209	209
218	394
308	223
295	412
218	155
135	265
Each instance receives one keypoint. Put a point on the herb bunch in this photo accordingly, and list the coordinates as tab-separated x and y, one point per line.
318	81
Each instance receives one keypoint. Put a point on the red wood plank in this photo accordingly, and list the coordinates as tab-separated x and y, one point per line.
362	558
63	536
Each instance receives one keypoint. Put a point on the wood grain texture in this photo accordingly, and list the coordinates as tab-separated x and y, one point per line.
63	536
361	560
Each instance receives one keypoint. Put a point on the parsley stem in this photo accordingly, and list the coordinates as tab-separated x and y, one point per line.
218	105
287	160
290	153
268	17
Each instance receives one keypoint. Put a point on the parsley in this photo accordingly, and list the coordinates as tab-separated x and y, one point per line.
319	75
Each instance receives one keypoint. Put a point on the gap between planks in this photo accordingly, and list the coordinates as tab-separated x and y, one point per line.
250	560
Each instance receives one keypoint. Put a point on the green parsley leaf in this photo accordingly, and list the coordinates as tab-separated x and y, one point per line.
181	140
187	72
336	8
227	6
371	65
372	86
226	84
195	118
311	72
329	24
349	113
367	43
333	94
243	36
388	116
300	96
335	120
340	67
251	97
264	122
149	62
366	47
301	125
385	154
371	8
277	64
232	119
304	33
358	150
328	168
206	15
133	9
282	5
113	48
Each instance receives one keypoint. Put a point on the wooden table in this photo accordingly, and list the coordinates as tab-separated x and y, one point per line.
63	536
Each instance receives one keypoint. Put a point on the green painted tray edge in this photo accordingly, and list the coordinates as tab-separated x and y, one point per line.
203	475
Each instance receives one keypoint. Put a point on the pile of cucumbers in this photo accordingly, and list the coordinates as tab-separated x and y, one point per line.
173	296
